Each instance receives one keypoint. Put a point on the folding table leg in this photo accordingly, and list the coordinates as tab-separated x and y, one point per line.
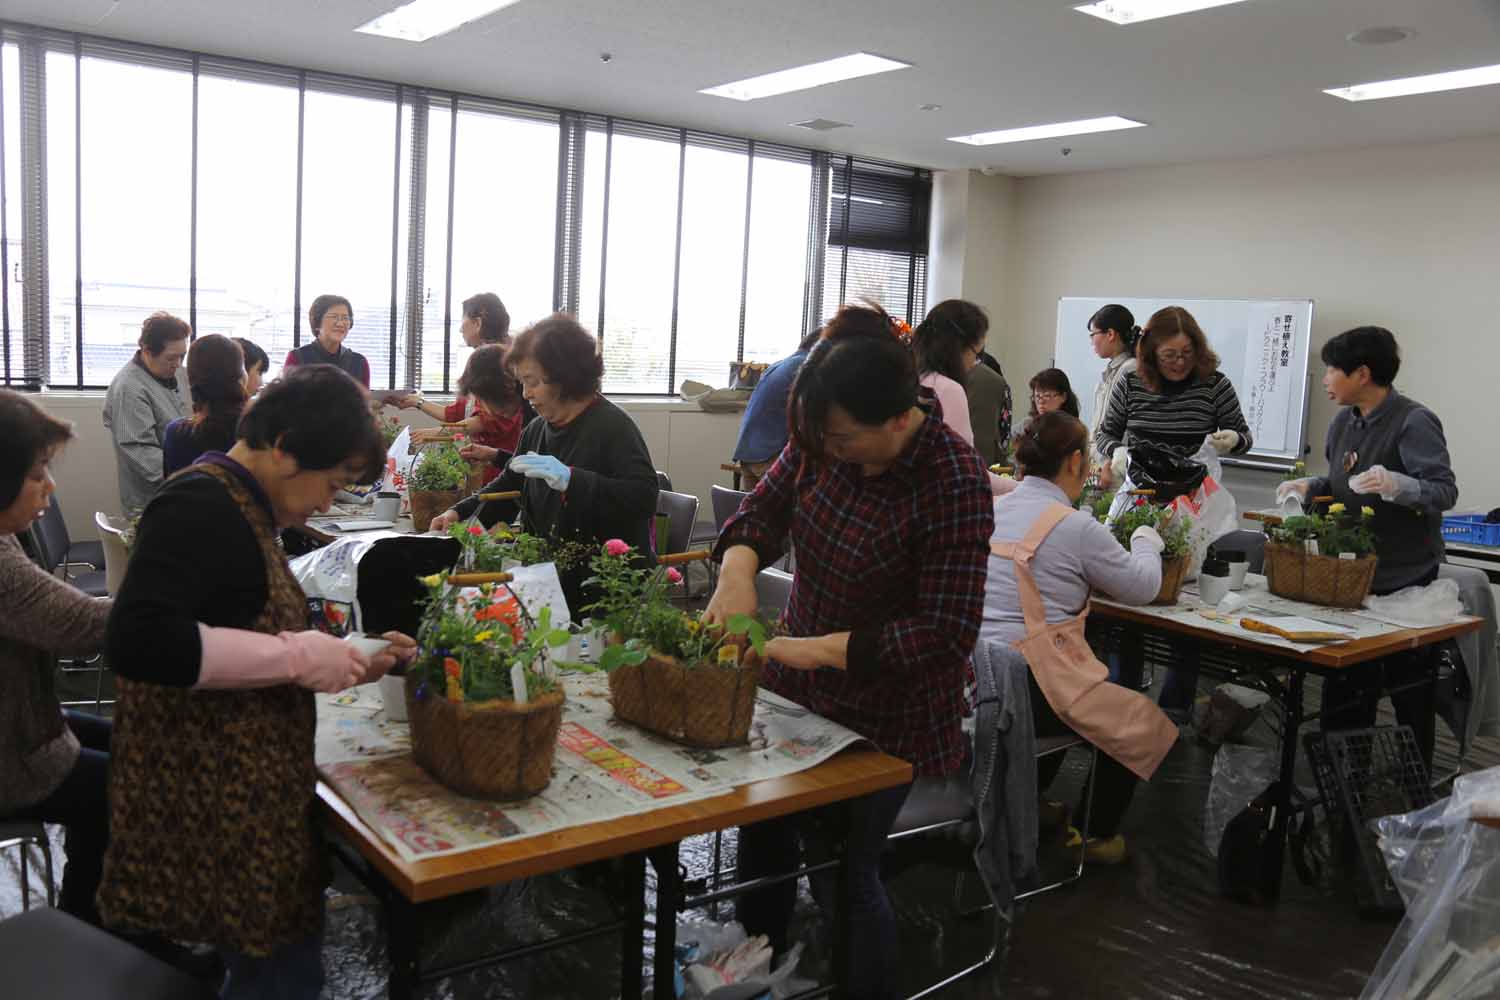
668	902
633	933
403	942
1291	705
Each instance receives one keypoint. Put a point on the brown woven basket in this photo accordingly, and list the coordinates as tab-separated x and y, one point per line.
499	752
1339	583
702	706
428	504
1173	575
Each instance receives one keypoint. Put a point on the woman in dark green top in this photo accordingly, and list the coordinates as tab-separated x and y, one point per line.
582	467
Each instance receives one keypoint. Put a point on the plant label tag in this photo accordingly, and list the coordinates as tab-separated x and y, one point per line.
1348	555
1312	546
518	683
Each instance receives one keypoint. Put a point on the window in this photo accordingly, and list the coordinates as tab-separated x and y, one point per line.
348	181
243	191
247	211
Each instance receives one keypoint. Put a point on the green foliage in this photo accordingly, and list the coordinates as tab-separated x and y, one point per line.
390	427
1174	531
468	646
439	469
1338	531
1096	501
1297	471
490	552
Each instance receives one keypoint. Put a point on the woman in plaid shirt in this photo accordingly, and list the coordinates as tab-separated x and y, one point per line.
890	514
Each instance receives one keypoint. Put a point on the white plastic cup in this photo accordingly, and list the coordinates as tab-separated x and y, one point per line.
387	507
1237	572
393	697
1212	589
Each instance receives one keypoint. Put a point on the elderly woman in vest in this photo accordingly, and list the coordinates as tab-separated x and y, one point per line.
1388	453
1068	554
53	762
212	779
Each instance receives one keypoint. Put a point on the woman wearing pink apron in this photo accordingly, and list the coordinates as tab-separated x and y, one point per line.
1046	559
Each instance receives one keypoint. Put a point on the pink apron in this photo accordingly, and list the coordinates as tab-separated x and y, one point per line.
1124	724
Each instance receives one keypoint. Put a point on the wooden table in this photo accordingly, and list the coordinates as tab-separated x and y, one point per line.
1264	657
403	886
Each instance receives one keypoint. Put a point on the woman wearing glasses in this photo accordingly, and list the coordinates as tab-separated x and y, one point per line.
331	317
947	345
1112	335
1051	391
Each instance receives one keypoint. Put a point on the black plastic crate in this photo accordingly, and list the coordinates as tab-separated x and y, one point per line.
1364	774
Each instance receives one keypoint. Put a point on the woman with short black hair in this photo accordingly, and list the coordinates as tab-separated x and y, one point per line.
1052	392
257	364
889	513
213	837
331	318
583	469
53	761
216	380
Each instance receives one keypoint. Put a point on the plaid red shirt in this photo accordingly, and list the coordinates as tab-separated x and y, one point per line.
898	560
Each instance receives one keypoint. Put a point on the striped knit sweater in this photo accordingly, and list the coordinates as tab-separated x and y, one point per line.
1179	416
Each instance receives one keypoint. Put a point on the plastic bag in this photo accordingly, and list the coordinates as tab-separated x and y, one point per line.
1447	867
1435	604
1171	475
707	951
1240	773
1210	509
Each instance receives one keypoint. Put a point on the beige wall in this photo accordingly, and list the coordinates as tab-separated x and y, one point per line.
1406	237
686	443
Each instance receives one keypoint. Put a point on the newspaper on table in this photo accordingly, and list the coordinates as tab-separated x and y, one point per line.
605	768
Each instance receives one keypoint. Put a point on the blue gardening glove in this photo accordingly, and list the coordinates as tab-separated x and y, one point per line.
543	467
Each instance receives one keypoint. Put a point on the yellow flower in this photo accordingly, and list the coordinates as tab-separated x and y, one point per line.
435	580
484	636
1336	508
455	690
693	626
1367	511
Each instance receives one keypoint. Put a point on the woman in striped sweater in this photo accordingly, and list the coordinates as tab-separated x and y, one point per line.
1175	397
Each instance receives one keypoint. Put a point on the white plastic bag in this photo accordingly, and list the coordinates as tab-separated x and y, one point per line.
703	947
1435	604
1210	511
1240	773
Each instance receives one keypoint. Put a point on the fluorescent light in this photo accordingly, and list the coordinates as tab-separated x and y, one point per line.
805	77
1479	76
420	20
1083	127
1134	11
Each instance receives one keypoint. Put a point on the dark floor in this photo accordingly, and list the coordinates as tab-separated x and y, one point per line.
1153	927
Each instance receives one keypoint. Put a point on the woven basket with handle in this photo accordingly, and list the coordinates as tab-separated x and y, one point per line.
497	750
1339	583
428	504
703	706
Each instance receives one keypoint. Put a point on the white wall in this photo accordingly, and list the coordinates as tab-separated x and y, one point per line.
1406	237
970	241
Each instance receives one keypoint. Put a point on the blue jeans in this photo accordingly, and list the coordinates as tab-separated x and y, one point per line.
772	848
81	805
295	972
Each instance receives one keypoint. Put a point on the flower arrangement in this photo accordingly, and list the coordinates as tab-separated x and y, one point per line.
440	469
1297	471
496	551
1338	531
469	644
1096	501
1174	531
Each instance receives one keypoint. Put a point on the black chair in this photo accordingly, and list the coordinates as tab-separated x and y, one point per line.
57	550
725	503
663	481
1252	543
46	953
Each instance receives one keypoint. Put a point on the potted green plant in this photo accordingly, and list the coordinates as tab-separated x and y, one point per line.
1323	558
669	671
503	549
484	710
437	477
1175	535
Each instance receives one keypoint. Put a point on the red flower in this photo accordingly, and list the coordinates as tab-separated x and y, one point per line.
475	529
673	576
459	438
1140	501
616	547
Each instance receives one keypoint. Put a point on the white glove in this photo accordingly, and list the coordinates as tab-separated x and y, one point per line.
1148	538
1291	487
1224	441
1117	463
1380	480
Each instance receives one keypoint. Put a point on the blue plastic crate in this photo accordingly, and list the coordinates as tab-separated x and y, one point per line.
1470	529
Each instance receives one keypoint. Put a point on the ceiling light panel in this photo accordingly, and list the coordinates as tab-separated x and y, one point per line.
1135	11
1084	126
1458	79
816	74
420	20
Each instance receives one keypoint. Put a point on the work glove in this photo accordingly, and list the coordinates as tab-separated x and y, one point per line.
1224	441
1293	487
1380	480
544	467
1149	539
1118	462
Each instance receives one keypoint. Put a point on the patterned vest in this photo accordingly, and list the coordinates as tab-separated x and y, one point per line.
212	796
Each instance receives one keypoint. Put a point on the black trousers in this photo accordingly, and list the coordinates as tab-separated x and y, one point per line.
1114	784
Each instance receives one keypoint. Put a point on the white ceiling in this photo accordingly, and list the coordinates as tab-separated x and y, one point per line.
1238	81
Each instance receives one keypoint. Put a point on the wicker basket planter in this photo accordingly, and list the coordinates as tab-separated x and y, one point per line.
702	706
1173	574
427	504
1339	583
499	751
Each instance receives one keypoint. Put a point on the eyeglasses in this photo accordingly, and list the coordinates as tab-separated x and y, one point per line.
1045	397
1096	333
338	319
1172	357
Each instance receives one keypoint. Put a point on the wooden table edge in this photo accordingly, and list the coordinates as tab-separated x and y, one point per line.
435	878
1337	656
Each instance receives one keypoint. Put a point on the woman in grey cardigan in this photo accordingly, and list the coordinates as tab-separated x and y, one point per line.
53	762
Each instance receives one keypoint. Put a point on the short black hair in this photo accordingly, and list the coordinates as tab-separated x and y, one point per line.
254	356
487	377
1374	347
321	305
159	329
567	354
28	434
494	321
321	417
860	365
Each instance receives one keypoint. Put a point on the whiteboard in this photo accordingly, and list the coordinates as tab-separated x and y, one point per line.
1262	346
